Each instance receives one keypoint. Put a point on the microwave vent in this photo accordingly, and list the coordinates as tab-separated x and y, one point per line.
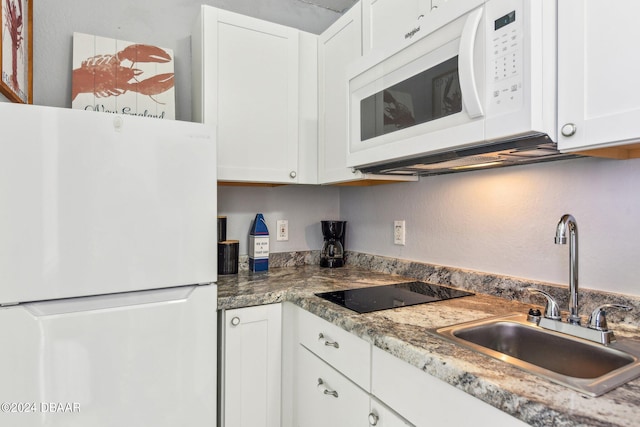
533	149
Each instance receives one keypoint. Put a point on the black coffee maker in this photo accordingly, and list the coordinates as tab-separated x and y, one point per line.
332	254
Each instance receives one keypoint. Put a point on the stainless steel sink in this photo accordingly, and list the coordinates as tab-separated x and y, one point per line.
585	366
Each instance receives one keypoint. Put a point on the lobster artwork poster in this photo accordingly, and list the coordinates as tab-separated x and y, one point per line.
16	50
120	77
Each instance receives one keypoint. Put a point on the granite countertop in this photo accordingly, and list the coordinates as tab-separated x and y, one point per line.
404	333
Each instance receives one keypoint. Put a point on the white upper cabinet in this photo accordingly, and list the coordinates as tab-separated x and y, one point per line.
598	84
338	46
387	23
247	82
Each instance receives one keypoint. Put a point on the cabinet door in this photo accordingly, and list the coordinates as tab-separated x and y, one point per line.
598	85
381	416
428	401
250	85
386	24
326	398
251	367
338	47
307	171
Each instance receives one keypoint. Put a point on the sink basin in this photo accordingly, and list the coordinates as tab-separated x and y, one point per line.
585	366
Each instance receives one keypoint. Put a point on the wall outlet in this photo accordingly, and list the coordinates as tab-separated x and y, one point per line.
398	232
283	230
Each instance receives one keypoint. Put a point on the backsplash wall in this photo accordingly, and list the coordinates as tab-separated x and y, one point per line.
303	206
503	221
499	221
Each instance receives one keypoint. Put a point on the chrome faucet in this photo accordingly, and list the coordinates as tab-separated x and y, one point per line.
568	222
596	329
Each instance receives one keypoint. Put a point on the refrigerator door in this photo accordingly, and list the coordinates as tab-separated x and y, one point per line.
138	359
96	203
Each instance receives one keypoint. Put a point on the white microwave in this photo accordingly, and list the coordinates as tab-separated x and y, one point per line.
481	72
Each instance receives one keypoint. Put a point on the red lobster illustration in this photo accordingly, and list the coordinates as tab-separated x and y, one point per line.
104	75
14	26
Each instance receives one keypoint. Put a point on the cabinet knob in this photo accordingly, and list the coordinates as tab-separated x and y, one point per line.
235	321
373	419
292	174
569	129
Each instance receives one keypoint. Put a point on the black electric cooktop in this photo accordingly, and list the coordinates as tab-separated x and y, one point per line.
365	300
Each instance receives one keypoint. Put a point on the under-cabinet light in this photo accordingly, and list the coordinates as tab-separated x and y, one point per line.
477	165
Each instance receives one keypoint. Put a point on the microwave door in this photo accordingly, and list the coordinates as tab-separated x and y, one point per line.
425	98
429	95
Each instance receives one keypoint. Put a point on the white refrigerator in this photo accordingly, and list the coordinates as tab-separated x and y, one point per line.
107	268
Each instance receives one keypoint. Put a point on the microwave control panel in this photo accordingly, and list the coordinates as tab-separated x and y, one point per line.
504	48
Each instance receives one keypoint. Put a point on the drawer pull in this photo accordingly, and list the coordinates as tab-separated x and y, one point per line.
235	321
327	342
326	390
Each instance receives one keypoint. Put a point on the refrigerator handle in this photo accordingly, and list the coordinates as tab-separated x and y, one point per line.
109	301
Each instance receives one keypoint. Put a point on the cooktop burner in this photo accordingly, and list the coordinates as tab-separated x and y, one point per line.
365	300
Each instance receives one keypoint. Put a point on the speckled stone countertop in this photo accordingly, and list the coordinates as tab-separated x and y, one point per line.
404	333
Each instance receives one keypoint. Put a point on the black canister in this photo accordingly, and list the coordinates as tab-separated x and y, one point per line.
228	257
222	228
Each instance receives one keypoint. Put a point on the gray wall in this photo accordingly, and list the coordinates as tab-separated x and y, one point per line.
165	23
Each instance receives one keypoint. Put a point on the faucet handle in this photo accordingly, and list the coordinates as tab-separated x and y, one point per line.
551	310
598	319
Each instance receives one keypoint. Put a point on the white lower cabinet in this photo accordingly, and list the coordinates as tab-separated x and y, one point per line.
332	377
250	377
283	366
325	397
427	401
381	416
344	351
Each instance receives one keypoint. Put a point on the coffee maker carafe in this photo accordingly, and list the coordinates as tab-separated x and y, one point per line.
332	254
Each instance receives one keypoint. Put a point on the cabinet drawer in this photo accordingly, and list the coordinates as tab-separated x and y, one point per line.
426	400
325	397
342	350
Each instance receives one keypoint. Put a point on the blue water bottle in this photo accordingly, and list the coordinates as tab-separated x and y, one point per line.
259	245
